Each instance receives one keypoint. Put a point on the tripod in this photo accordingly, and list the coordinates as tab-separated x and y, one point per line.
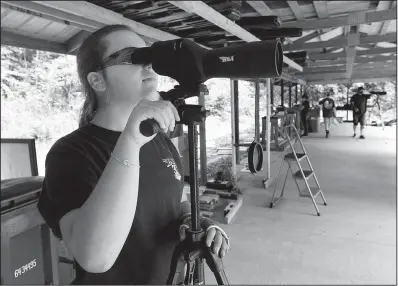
193	251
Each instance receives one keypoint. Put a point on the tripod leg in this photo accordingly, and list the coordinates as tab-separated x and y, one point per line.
177	266
190	274
199	276
216	266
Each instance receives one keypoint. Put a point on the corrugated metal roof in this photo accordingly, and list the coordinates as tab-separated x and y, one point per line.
57	32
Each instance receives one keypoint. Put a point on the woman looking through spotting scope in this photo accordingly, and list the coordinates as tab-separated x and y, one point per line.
111	194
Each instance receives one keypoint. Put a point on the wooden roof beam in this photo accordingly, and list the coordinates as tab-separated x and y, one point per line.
316	34
375	27
24	41
352	39
386	24
321	8
85	13
295	7
66	16
356	66
351	53
328	74
52	14
211	15
355	18
375	65
307	38
333	56
62	12
292	78
358	60
261	8
352	80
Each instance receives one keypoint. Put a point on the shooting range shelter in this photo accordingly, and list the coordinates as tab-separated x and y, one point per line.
341	42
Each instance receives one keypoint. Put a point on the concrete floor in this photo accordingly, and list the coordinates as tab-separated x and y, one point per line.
354	239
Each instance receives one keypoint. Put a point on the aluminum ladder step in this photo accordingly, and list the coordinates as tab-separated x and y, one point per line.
300	156
307	174
314	191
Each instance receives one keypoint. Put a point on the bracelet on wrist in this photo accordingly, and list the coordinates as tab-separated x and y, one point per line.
124	162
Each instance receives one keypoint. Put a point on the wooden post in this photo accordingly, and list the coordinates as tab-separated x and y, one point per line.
232	87
236	115
272	93
282	95
348	89
257	111
268	179
203	153
290	95
296	94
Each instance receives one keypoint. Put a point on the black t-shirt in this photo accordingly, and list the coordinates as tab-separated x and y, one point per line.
306	106
73	167
327	107
360	102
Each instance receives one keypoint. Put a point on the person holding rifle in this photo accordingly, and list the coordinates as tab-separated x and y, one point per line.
359	103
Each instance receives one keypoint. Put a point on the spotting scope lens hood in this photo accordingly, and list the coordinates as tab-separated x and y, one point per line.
262	59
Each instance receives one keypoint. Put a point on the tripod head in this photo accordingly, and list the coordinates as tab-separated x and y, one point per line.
188	113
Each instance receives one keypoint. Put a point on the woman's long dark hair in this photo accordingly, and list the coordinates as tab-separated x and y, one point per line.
88	59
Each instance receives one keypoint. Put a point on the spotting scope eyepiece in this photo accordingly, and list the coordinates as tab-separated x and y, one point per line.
191	64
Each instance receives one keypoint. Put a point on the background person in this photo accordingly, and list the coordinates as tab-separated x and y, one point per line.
359	102
328	110
304	113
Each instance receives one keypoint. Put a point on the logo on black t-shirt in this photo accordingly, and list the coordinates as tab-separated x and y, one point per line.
171	163
328	104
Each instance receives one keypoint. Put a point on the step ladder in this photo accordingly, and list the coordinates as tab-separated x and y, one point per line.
290	155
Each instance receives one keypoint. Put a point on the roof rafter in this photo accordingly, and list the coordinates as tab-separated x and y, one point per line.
261	8
358	60
83	12
356	66
333	56
321	8
295	7
352	39
211	15
307	38
24	41
355	18
351	80
329	74
386	24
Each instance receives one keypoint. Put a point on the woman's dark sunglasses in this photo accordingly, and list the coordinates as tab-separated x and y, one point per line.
122	57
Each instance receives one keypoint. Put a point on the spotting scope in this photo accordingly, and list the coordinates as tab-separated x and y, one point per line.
191	64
